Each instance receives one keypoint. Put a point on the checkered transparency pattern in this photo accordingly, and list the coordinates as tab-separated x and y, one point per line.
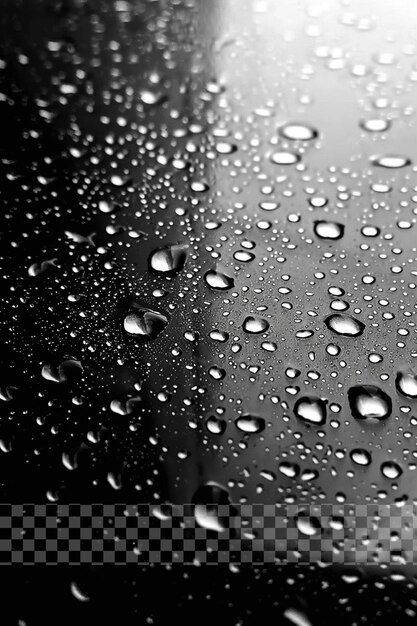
258	533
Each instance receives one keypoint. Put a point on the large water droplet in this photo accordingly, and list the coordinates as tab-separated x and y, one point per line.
375	125
218	280
255	325
369	402
69	369
215	425
145	323
392	161
169	259
344	325
361	456
391	470
206	501
308	525
329	230
311	409
250	424
297	131
285	158
406	383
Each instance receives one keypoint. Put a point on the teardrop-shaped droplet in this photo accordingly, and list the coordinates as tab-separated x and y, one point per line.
168	260
215	425
369	402
218	280
207	500
311	409
308	525
406	383
329	230
255	325
125	406
250	424
360	456
289	469
144	323
344	325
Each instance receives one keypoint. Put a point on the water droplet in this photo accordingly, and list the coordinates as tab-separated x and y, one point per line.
329	230
217	372
219	335
223	147
391	161
78	594
344	325
361	456
243	256
289	469
285	158
406	384
391	470
215	425
218	280
145	323
169	259
375	125
311	409
124	406
369	402
308	525
250	424
206	501
69	369
297	131
255	325
296	617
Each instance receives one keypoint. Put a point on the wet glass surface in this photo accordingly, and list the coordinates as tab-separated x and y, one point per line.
209	275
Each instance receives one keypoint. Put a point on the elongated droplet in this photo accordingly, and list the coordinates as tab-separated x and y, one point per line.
250	424
344	325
